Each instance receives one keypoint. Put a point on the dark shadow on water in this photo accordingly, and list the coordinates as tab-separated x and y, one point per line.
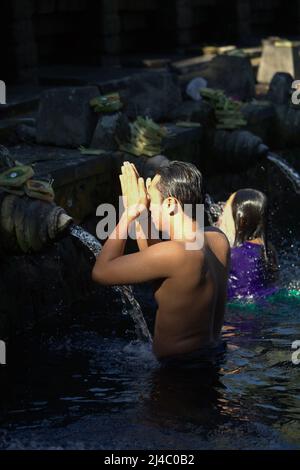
184	395
189	396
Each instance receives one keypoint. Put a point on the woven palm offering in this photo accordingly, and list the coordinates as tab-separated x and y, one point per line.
107	103
19	180
227	111
146	138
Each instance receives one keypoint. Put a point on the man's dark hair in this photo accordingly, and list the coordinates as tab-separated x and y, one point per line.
183	181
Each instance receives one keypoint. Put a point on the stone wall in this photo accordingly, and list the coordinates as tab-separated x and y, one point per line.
20	60
147	25
100	32
61	31
274	17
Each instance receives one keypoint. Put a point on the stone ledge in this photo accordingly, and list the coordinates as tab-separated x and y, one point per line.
182	136
81	182
65	165
9	126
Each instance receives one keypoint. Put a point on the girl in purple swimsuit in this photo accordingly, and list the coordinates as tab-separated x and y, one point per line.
253	261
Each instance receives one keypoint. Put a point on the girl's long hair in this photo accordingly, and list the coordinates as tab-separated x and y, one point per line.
250	215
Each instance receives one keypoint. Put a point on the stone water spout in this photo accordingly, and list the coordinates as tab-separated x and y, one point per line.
28	225
29	218
237	149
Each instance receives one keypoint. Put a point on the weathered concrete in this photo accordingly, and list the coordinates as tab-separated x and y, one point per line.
184	143
105	78
26	132
81	182
65	116
232	74
288	126
111	129
278	58
195	111
153	94
9	128
262	121
234	151
280	88
192	64
20	100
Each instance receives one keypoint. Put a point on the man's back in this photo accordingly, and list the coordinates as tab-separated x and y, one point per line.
191	302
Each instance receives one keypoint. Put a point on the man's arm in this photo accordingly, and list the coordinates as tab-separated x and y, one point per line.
146	233
158	261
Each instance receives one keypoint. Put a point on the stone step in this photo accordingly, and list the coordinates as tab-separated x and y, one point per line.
184	142
81	182
190	65
8	127
20	100
68	75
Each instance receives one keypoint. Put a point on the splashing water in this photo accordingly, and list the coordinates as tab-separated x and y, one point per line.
213	209
289	172
125	292
86	239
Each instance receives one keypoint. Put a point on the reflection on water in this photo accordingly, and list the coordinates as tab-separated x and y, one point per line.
82	390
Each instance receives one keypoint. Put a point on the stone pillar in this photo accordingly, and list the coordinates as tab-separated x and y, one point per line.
244	20
25	49
184	22
110	32
298	14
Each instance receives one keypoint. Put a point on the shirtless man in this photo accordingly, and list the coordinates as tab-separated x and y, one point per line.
190	284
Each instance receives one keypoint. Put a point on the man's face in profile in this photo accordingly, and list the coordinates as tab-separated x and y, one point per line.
155	202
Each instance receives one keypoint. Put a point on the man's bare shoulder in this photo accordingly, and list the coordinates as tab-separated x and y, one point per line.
219	245
169	252
168	248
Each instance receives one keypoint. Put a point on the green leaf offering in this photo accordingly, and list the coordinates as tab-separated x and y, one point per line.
107	103
146	138
227	111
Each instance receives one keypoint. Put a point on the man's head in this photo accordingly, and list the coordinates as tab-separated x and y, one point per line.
174	186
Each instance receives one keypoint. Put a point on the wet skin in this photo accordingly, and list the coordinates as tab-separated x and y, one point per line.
190	285
191	301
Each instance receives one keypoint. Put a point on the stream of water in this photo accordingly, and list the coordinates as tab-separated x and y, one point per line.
126	293
289	172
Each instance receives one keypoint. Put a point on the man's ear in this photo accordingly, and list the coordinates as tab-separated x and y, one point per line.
172	205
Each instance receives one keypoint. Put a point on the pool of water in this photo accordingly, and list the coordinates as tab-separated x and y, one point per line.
81	389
